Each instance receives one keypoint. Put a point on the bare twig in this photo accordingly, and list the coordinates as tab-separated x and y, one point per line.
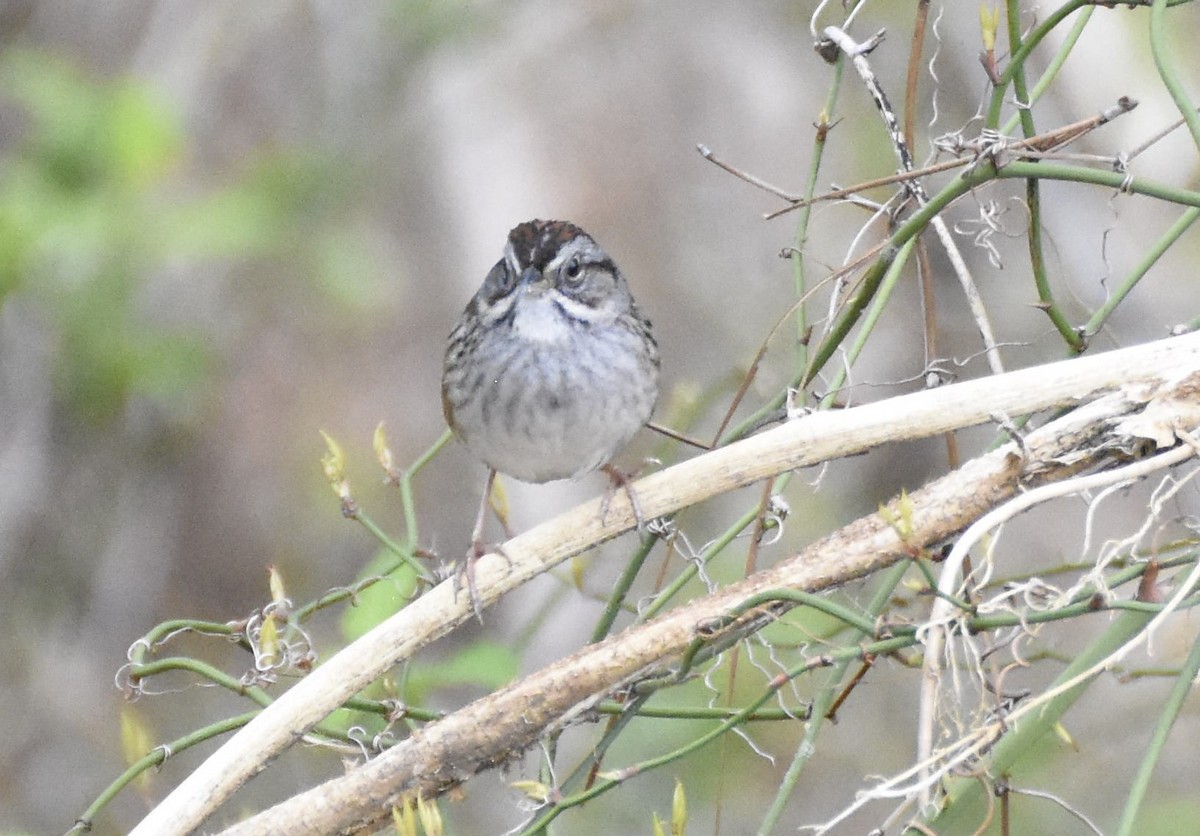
744	176
858	53
1043	146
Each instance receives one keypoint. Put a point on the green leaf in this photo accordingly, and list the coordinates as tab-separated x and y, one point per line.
382	599
484	664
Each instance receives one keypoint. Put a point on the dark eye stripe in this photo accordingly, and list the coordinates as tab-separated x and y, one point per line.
568	315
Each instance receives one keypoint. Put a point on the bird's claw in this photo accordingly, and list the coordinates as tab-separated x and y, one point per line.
624	481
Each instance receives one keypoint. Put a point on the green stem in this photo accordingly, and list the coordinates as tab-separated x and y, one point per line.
1017	60
155	758
1158	741
1041	280
1056	64
617	599
1037	257
612	780
596	754
404	554
697	712
163	632
1021	169
878	303
406	491
810	189
672	589
873	278
1164	243
1034	38
145	670
823	703
1017	68
1132	619
1165	62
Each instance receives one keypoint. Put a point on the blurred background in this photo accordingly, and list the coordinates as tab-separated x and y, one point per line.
225	226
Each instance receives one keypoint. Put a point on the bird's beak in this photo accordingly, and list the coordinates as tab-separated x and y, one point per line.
533	280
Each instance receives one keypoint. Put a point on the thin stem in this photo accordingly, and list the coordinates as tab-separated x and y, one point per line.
204	670
824	125
1037	262
155	758
1017	59
1164	243
1160	48
404	554
406	491
765	715
617	599
871	280
1158	740
611	780
1037	257
965	798
822	704
1017	68
874	276
1056	64
663	598
878	303
1019	169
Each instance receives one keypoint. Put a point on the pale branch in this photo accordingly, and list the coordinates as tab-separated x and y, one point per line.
497	727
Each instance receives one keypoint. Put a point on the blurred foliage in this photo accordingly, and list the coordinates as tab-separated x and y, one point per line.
93	201
485	664
419	26
379	601
481	664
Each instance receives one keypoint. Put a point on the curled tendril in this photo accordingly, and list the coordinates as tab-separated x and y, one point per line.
358	735
127	683
396	710
142	644
167	752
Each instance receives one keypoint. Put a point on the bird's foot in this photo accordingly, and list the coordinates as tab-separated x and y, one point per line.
624	481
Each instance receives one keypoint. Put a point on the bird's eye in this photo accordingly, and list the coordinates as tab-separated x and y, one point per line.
573	270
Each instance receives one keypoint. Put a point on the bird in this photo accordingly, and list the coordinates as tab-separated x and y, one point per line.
552	367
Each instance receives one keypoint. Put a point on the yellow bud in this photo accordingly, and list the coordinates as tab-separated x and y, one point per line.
334	465
268	642
656	826
404	819
1065	736
899	515
275	582
384	454
533	790
430	816
135	741
334	460
989	24
577	567
678	810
